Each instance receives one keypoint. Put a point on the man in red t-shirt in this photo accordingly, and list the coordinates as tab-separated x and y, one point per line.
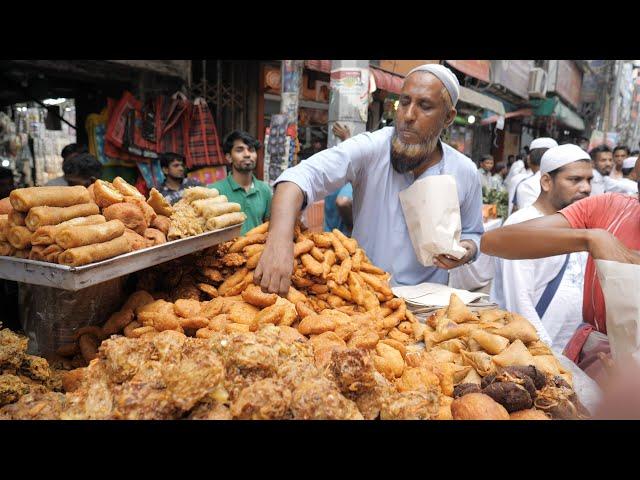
607	226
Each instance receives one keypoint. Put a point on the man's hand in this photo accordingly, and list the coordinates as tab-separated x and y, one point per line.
448	262
603	245
275	267
341	131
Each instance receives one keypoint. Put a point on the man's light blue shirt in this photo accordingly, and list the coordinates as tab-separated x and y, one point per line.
379	224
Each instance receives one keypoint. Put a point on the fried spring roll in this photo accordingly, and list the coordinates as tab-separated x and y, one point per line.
24	199
39	216
75	257
78	236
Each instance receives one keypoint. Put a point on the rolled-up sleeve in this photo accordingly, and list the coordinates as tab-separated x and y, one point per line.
471	212
327	171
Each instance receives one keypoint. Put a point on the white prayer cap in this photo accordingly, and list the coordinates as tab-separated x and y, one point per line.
543	142
629	162
446	76
557	157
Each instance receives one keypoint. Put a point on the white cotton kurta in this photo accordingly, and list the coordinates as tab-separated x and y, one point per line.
518	286
511	187
517	168
605	184
528	191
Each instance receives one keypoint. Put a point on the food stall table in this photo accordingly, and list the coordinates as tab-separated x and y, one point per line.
55	300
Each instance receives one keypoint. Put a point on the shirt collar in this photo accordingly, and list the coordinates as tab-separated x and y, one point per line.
235	186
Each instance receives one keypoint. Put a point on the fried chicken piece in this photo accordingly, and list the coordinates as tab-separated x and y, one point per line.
39	404
36	368
243	354
352	370
319	399
233	260
122	359
210	411
93	399
11	389
267	399
411	405
293	372
12	348
370	401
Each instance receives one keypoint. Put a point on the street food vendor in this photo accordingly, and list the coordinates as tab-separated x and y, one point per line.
380	165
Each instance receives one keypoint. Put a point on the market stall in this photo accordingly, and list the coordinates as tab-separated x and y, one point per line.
199	340
72	248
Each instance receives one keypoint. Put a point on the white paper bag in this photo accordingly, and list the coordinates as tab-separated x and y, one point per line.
432	213
621	287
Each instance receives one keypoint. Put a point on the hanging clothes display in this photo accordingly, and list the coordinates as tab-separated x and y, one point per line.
136	133
204	145
173	115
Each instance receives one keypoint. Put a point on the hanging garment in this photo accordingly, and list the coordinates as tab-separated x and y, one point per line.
173	115
204	145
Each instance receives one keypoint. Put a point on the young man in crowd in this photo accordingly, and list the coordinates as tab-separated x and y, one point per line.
528	189
620	152
175	179
241	185
603	166
67	154
79	169
548	292
485	171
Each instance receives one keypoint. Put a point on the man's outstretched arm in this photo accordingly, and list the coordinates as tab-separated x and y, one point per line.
275	267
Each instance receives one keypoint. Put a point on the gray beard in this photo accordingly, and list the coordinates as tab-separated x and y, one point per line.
406	157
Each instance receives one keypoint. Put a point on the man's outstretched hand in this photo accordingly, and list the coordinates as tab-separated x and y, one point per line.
275	267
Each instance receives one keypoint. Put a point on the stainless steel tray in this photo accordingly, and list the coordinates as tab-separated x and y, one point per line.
77	278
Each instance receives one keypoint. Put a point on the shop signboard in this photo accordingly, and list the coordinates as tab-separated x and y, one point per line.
598	138
567	81
351	85
479	69
513	75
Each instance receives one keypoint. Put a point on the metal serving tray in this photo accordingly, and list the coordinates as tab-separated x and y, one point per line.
77	278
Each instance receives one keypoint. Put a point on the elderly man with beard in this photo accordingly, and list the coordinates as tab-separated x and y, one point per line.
380	165
241	186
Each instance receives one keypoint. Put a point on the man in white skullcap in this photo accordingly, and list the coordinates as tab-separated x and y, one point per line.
628	183
379	166
526	191
608	228
548	292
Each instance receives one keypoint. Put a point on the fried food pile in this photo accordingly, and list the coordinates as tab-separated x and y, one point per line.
339	299
76	225
338	346
27	385
203	209
497	354
268	374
